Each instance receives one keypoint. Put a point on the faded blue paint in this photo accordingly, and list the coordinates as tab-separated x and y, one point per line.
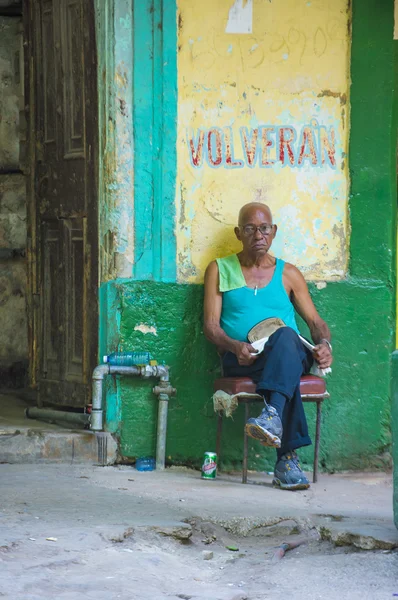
114	44
155	138
143	136
123	95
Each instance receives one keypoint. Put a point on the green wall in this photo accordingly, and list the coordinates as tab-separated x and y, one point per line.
360	310
356	431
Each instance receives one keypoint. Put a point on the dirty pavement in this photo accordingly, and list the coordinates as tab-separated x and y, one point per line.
71	532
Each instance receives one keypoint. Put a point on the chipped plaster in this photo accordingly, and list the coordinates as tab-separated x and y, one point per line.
290	76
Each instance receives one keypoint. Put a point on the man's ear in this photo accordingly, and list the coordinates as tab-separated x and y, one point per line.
275	229
237	233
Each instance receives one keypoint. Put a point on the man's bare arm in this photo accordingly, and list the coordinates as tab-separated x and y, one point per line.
212	314
298	289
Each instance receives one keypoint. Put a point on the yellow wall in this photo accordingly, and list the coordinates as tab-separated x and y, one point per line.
287	75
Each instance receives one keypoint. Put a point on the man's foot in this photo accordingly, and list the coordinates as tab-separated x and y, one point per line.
267	428
288	474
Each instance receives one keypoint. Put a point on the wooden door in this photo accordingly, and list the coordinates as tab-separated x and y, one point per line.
63	230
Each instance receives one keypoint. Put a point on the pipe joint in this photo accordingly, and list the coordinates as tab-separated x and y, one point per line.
162	371
96	419
160	389
148	371
100	372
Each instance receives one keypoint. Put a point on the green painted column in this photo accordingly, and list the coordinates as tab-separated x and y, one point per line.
375	64
372	142
374	175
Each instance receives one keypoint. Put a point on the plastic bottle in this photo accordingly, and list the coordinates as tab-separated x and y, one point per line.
145	463
128	359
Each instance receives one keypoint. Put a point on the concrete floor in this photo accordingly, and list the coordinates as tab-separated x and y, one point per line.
73	532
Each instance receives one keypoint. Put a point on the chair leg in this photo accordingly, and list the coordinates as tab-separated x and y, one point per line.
317	439
245	451
218	440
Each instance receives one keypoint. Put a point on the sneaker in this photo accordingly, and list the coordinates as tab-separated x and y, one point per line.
288	474
267	428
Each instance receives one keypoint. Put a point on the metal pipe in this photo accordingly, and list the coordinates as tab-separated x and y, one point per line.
96	420
46	414
162	372
163	391
116	370
99	374
162	431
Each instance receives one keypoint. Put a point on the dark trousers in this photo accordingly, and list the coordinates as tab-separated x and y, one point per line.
278	369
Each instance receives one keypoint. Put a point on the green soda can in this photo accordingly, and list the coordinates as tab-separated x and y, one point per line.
209	467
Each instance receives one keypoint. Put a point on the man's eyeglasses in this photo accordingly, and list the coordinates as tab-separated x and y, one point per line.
249	230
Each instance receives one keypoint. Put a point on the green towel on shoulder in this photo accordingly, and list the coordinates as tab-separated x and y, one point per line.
230	272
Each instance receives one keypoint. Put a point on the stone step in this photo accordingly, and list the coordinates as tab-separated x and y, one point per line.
33	445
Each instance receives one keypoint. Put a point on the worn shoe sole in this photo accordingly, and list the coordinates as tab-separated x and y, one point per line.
262	435
289	486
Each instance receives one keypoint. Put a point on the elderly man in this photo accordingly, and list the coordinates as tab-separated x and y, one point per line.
240	291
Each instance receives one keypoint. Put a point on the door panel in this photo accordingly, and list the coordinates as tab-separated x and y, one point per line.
74	76
51	298
74	239
63	115
47	56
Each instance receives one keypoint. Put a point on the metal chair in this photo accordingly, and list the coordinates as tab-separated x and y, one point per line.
312	388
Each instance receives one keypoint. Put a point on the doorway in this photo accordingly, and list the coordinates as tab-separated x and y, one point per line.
62	142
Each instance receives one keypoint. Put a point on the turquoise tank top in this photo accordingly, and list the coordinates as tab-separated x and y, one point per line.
242	307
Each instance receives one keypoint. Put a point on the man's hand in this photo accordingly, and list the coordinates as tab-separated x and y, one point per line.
243	353
323	355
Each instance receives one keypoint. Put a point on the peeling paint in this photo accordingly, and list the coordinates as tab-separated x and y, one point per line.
146	329
330	94
266	112
116	138
240	17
